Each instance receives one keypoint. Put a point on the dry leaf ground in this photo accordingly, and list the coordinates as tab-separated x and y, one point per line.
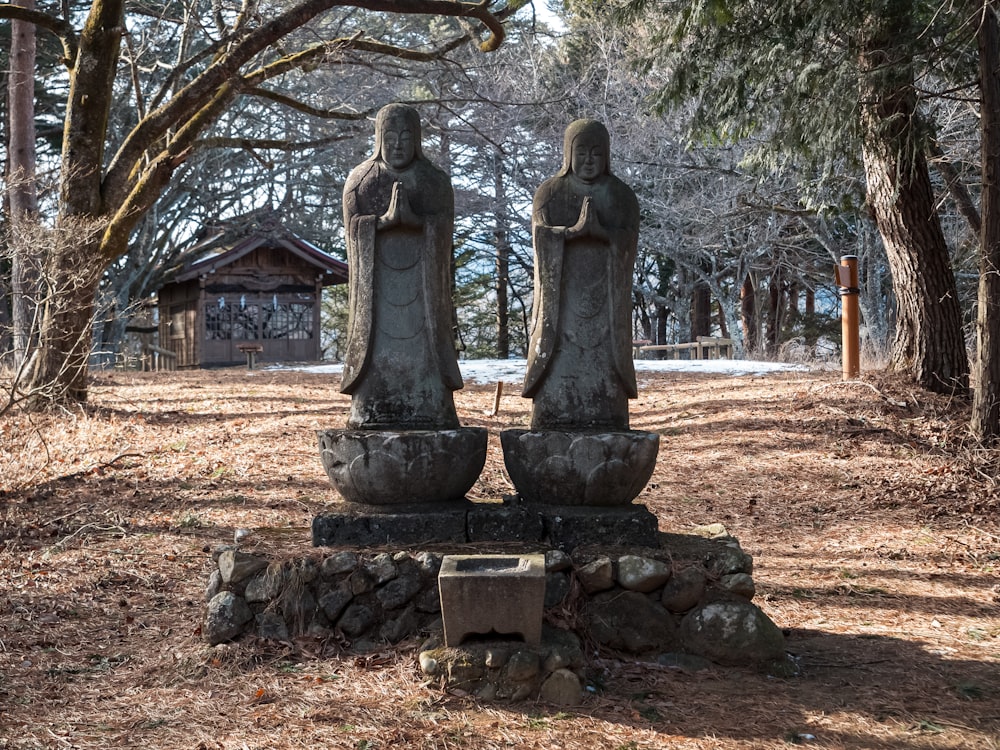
873	524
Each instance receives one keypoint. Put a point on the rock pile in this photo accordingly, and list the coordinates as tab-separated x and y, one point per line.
687	603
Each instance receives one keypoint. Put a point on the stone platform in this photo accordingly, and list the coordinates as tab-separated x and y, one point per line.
686	603
556	526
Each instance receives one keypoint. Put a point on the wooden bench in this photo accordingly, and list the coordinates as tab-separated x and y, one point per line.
251	350
705	347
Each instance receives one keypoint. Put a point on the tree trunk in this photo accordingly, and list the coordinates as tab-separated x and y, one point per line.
723	325
22	185
662	313
929	343
59	363
701	310
748	316
500	240
76	257
775	310
986	402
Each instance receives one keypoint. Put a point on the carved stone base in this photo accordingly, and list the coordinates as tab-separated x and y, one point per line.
559	526
557	467
354	525
405	467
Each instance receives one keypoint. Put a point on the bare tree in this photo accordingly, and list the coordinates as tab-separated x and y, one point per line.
114	184
986	402
22	194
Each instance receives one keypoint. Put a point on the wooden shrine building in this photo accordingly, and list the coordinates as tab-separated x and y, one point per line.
260	292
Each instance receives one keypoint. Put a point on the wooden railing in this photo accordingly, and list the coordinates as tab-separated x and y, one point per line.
156	358
705	347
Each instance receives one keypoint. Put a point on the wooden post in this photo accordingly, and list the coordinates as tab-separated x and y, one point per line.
847	280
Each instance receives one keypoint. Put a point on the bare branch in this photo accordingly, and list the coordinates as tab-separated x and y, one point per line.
291	103
269	144
61	28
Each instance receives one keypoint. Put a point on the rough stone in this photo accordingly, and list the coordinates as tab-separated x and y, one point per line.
711	531
319	631
339	563
428	664
334	602
362	582
464	672
266	585
522	666
739	584
398	628
725	559
597	575
556	589
307	571
429	600
219	549
381	568
429	563
399	591
522	692
731	633
299	607
685	589
629	621
487	692
236	567
356	619
562	688
564	650
496	657
272	627
556	560
225	618
642	574
214	585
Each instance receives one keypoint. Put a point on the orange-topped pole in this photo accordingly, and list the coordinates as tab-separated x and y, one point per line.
847	280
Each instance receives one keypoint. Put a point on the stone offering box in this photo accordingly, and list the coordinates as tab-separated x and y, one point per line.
498	595
686	603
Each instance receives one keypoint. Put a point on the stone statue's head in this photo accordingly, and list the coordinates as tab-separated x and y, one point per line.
397	135
586	150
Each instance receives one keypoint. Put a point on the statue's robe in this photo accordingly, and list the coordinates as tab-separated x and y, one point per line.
400	366
580	372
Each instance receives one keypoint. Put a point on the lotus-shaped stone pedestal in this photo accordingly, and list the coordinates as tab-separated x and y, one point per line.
578	467
373	467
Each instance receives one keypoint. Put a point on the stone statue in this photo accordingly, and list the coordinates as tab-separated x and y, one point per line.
586	227
403	445
400	366
580	376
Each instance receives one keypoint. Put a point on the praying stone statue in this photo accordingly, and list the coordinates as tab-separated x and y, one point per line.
585	225
400	365
580	375
403	443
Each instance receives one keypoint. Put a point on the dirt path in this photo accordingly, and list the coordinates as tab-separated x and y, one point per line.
874	529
